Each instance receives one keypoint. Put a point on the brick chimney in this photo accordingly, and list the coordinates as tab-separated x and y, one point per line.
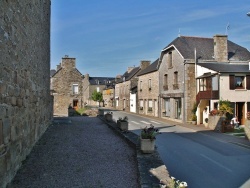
144	64
86	76
220	48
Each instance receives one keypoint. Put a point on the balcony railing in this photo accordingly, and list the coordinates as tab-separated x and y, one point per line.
175	86
207	95
165	87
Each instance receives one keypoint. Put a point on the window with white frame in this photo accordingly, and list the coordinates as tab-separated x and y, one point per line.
75	88
150	105
141	104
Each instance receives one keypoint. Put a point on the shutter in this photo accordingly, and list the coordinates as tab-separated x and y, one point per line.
231	82
248	82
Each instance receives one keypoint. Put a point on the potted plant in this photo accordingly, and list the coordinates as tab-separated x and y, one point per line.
194	119
147	139
108	116
122	123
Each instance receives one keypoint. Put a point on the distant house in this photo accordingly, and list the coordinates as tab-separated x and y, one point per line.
124	95
90	84
66	86
148	90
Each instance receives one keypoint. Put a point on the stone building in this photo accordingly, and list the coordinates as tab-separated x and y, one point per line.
125	98
90	84
25	100
66	85
108	96
148	90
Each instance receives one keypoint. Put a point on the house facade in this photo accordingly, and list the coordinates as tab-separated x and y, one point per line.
90	84
66	85
148	90
126	89
177	89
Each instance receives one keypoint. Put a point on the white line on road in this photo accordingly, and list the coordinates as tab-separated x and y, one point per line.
216	162
155	122
145	122
134	122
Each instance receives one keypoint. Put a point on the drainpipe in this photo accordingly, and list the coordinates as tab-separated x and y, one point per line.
184	104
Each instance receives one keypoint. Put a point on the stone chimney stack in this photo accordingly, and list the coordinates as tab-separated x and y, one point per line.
144	64
86	76
220	48
68	62
58	67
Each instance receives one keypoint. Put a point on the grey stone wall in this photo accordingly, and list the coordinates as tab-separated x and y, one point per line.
25	101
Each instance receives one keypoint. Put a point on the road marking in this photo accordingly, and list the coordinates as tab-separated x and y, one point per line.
145	122
134	122
229	170
155	122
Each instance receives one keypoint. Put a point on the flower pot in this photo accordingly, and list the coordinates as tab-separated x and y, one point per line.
147	145
108	117
123	125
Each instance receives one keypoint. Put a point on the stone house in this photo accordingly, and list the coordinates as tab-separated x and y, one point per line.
227	77
124	97
66	84
90	84
148	90
25	100
178	72
108	96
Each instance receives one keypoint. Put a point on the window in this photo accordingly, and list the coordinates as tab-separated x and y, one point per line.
169	60
175	85
97	89
140	85
149	84
150	105
205	84
75	88
141	104
239	82
165	82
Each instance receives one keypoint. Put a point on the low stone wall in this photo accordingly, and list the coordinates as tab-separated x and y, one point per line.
215	122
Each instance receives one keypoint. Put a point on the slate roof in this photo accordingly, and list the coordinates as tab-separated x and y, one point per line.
151	68
226	67
100	80
205	48
52	72
128	75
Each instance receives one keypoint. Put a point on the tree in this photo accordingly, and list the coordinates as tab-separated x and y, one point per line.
97	96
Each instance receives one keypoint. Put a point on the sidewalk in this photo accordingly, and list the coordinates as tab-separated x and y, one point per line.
79	152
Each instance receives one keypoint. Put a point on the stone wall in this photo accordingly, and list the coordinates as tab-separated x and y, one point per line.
25	101
247	129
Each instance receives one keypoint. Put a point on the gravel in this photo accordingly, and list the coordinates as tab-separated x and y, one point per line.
82	152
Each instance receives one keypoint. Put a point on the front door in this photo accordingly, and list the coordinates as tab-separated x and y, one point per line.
240	111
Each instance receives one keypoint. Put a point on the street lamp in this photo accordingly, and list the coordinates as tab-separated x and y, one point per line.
248	14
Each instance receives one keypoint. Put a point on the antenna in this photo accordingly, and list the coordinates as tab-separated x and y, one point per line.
227	28
179	33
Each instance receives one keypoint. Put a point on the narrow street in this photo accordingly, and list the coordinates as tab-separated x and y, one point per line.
201	158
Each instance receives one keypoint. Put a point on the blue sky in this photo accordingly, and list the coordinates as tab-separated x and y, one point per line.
107	36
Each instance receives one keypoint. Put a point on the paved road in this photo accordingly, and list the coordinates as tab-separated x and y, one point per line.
201	158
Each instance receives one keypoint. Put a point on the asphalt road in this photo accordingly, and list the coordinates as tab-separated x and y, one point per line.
199	158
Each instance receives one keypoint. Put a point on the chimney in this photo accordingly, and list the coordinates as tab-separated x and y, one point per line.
220	48
144	64
58	67
86	76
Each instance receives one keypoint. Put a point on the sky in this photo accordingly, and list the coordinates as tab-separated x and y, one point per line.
108	36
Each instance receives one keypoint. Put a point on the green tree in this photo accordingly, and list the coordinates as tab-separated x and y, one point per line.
97	96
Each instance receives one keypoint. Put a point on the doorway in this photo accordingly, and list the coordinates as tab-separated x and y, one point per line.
240	111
